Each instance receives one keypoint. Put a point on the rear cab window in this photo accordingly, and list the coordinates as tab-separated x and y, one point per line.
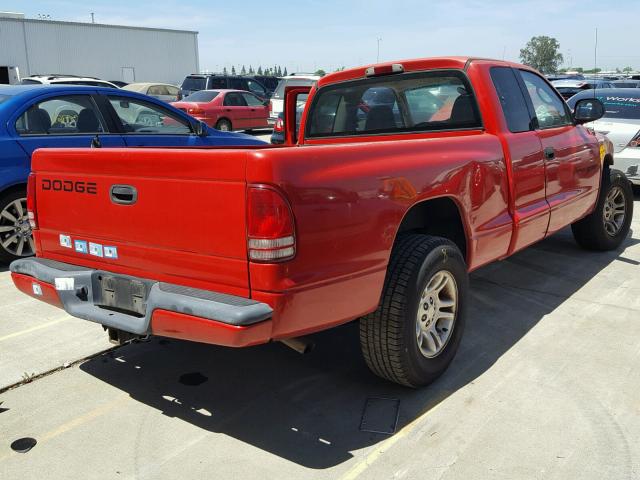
410	102
194	83
511	99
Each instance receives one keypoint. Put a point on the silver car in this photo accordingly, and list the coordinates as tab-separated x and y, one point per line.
161	91
621	124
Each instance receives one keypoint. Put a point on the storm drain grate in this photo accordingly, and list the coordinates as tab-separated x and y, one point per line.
380	415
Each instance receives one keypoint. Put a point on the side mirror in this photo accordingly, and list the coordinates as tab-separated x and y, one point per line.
200	129
588	110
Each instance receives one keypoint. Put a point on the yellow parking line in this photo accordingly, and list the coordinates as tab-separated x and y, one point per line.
360	467
32	329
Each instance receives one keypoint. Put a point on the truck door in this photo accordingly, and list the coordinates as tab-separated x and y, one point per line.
523	150
571	154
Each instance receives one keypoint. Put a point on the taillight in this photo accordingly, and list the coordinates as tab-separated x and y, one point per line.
195	110
32	213
270	226
270	106
635	141
384	70
279	126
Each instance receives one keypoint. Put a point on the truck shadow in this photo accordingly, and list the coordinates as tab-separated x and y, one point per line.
307	409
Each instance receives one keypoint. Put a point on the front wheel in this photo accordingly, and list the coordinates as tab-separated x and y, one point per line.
16	240
414	334
608	225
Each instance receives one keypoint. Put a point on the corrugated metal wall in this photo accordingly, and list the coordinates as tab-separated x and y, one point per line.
104	51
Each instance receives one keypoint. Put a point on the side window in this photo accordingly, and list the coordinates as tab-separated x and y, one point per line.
217	82
237	84
173	90
252	100
146	118
511	99
234	99
256	88
549	107
157	90
65	115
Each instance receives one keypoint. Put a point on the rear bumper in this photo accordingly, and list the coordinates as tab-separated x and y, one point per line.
171	310
628	161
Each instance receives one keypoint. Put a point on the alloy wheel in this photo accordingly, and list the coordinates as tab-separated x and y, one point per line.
15	231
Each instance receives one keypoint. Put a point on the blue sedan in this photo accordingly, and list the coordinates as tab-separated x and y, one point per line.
39	116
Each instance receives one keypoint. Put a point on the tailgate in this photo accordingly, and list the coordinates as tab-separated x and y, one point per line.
186	224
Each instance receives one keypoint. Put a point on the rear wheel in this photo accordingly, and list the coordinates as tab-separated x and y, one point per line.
223	125
16	240
608	225
414	334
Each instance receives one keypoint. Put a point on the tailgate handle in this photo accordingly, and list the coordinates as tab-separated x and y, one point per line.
123	194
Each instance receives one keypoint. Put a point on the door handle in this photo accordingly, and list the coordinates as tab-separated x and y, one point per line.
123	194
549	153
228	109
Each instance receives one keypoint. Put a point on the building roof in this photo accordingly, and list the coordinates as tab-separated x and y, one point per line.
89	24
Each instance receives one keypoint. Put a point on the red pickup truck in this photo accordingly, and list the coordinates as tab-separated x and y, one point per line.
399	180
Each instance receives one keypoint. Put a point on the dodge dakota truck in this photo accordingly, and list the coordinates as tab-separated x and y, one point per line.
399	180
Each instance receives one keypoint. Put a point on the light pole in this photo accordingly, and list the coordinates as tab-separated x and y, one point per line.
378	55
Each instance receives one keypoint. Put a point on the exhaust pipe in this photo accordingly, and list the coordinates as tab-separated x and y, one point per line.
301	345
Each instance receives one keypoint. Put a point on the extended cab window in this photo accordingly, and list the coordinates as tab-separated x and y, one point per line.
145	118
511	99
64	115
549	107
412	102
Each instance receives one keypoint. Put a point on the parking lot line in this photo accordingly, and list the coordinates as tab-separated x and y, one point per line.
360	467
32	329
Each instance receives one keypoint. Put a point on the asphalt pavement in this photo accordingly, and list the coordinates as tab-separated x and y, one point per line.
545	385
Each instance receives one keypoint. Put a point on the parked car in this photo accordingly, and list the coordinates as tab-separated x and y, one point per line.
226	110
569	88
277	99
278	134
162	91
378	219
621	123
65	80
213	81
33	117
270	83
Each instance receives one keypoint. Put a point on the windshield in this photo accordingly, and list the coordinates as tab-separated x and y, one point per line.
194	83
3	98
203	96
616	106
291	82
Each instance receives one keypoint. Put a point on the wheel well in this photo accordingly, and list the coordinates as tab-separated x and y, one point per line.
225	119
439	217
14	188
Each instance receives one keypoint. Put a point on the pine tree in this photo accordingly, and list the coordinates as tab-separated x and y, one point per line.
243	71
251	72
224	71
279	72
284	74
233	70
260	70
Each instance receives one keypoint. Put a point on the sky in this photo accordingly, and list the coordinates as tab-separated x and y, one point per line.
307	35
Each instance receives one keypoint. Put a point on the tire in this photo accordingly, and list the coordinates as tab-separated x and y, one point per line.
604	229
223	125
389	337
15	234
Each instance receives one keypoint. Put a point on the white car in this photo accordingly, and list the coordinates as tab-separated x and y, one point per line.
66	80
162	91
621	124
276	105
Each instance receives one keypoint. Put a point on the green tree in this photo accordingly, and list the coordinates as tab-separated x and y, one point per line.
284	74
579	69
320	72
224	71
243	71
627	69
542	53
233	70
260	70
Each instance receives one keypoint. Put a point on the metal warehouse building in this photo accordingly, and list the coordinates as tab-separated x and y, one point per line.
109	52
